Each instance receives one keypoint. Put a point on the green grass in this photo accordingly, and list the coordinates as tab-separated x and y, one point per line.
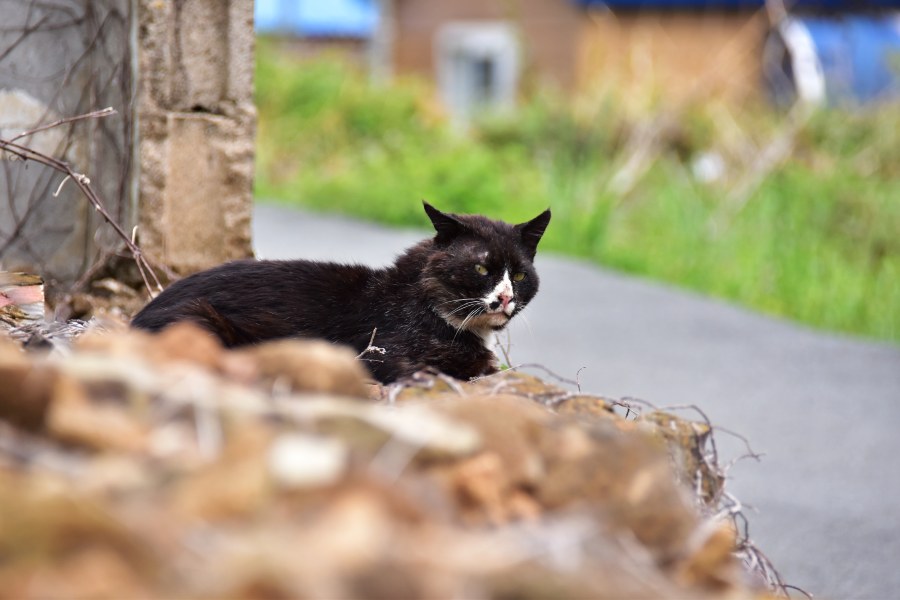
817	241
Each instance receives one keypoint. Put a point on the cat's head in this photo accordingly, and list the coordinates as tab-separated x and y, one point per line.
480	272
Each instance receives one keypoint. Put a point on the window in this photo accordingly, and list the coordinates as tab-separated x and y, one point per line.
477	67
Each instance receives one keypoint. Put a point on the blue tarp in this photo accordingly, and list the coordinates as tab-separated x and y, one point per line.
859	56
317	18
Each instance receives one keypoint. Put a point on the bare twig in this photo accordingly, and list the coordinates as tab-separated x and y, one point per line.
84	184
786	586
577	377
98	71
453	383
370	349
504	349
97	114
559	378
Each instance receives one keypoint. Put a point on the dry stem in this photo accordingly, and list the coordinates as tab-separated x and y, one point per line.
370	348
84	184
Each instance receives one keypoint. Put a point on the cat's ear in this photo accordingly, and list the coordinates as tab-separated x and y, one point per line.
446	225
533	230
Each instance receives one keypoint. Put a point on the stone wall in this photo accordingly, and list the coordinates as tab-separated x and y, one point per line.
506	487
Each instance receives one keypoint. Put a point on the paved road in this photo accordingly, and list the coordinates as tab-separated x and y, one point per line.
825	409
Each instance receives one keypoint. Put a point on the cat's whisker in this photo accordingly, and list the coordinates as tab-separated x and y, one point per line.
459	300
464	307
527	324
468	318
463	324
472	304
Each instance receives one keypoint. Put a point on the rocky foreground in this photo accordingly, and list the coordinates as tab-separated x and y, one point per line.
139	466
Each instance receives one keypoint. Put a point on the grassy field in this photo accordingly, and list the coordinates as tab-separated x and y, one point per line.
815	238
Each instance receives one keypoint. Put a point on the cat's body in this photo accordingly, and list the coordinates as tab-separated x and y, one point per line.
435	307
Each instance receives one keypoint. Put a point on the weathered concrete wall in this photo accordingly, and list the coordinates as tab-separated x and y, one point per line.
59	60
196	129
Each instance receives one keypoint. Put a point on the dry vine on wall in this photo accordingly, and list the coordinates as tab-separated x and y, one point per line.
84	185
60	63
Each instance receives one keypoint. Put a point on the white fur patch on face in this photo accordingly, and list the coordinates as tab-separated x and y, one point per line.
500	299
493	313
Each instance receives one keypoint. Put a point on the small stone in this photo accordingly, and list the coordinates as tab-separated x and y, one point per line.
26	389
75	419
297	460
186	342
310	366
422	427
370	426
712	564
480	482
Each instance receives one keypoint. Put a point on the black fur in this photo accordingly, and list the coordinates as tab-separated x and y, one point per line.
419	305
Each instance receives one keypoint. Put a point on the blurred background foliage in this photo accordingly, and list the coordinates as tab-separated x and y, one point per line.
678	195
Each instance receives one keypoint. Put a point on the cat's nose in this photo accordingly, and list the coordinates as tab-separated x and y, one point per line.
503	300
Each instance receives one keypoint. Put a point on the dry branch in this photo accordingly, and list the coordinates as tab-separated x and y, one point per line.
371	348
95	71
105	112
84	184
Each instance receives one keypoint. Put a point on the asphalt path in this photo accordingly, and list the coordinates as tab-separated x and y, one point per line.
825	409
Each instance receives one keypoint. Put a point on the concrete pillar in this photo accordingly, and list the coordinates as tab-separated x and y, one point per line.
196	125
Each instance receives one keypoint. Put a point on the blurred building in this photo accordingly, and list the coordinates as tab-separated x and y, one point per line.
481	54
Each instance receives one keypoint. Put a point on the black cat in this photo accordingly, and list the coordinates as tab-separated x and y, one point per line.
437	306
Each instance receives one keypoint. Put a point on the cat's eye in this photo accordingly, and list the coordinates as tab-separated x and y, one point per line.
518	276
481	269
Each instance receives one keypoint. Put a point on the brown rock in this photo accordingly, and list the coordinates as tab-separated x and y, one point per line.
713	564
686	443
119	343
210	479
74	418
183	342
481	483
624	475
25	388
236	485
588	406
309	366
94	572
509	427
186	342
44	524
523	506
